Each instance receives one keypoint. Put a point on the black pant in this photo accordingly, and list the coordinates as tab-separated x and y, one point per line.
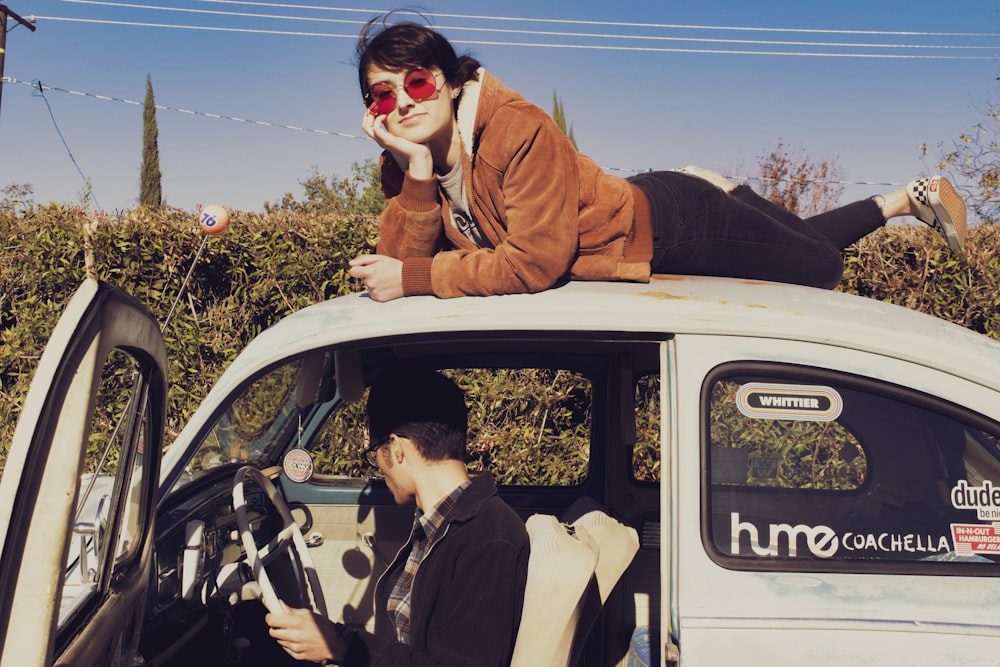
700	230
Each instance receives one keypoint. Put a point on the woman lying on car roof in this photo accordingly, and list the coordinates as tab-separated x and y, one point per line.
486	195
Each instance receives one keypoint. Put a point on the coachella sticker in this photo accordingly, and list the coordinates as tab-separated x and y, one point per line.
298	465
799	402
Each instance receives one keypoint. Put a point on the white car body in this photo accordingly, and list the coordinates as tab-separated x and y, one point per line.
761	599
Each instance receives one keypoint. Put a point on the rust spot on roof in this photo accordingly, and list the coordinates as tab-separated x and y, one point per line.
666	296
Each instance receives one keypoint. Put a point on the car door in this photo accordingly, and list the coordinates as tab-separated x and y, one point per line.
836	507
60	602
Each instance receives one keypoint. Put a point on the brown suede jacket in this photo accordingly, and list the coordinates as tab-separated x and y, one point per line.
548	212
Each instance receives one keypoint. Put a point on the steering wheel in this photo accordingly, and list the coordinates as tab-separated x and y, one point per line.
288	543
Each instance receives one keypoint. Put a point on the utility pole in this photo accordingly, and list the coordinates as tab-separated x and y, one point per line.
4	13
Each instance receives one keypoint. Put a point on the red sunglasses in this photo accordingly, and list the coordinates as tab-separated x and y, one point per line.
420	84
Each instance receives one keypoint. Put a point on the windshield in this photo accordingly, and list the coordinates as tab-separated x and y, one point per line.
256	424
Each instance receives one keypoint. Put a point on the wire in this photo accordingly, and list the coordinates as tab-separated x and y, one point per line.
204	114
609	23
649	49
557	34
86	182
41	87
209	11
569	21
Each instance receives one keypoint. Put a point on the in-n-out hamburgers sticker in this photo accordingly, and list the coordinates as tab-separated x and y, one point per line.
977	538
764	400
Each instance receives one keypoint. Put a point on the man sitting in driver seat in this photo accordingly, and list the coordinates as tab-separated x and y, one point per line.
454	596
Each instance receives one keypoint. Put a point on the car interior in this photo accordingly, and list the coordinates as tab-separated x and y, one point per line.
562	445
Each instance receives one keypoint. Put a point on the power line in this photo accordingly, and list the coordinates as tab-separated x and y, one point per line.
40	87
122	5
86	183
610	23
598	47
554	33
547	33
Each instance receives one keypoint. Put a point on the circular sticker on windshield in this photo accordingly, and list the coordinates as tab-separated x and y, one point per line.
298	465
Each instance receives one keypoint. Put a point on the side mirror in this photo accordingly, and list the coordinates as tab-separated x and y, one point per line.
92	537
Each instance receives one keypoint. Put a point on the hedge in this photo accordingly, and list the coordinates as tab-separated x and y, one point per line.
268	265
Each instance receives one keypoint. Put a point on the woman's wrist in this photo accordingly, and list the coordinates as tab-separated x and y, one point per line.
421	168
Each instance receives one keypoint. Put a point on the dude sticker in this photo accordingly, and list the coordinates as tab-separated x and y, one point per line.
799	402
984	499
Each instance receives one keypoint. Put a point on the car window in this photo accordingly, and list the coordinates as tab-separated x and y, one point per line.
528	426
771	435
807	466
256	424
113	478
646	453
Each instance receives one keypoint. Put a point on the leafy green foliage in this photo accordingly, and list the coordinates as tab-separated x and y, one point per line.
527	426
359	194
805	454
263	268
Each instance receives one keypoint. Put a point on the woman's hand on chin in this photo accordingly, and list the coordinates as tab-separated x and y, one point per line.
412	157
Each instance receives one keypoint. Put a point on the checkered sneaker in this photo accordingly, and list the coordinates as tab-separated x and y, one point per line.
939	205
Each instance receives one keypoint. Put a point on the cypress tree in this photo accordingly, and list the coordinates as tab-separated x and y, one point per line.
559	116
150	188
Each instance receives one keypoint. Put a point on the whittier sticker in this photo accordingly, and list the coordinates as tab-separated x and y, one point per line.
800	402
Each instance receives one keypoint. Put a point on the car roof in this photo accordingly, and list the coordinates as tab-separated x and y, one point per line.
668	304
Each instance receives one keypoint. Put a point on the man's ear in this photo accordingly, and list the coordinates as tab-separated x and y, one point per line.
396	449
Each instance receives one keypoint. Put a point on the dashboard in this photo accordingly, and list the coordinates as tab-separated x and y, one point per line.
198	545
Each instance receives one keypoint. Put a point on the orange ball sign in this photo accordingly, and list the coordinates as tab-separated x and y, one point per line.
213	220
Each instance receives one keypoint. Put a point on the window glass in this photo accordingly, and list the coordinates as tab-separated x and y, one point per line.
767	434
808	467
646	454
528	426
257	424
114	463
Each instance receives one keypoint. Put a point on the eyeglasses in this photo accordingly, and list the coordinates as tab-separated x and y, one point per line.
371	454
420	84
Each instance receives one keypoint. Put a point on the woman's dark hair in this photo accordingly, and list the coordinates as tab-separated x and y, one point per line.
405	45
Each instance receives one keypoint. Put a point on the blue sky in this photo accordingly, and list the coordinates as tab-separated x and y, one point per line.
686	92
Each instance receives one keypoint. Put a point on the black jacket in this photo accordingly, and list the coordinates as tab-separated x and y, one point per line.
467	595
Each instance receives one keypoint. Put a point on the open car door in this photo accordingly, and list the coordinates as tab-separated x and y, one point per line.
76	528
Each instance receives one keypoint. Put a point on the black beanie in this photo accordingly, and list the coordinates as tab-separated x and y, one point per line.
414	395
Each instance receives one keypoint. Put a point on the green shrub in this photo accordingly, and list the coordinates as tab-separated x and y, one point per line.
261	269
268	265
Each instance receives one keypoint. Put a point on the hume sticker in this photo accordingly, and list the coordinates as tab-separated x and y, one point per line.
819	541
799	402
